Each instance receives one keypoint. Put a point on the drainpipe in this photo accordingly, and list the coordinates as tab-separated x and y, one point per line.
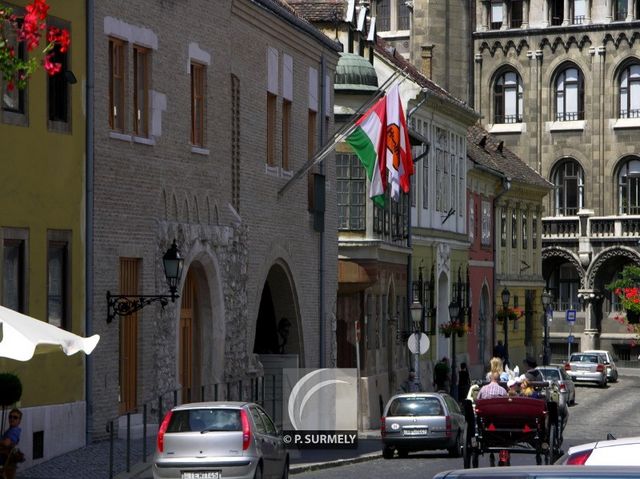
323	135
89	218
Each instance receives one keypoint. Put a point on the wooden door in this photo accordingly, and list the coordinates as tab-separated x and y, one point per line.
129	274
187	321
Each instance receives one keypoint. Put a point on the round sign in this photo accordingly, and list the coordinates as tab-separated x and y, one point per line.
570	338
421	346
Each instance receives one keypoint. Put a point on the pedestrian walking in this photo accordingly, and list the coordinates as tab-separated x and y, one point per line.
464	382
499	351
442	375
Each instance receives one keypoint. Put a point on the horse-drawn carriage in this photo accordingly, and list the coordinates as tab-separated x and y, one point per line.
514	424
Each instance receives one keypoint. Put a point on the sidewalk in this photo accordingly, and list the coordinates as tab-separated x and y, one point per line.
92	462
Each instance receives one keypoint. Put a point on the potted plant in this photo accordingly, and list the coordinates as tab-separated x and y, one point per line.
627	289
451	327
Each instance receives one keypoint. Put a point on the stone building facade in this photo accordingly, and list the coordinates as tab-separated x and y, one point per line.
195	137
557	82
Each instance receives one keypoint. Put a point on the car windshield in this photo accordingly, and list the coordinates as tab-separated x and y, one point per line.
584	358
420	406
199	420
551	374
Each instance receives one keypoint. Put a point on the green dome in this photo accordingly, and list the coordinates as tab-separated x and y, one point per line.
354	72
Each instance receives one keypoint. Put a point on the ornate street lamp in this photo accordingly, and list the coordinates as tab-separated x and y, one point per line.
125	304
546	302
416	316
506	296
454	312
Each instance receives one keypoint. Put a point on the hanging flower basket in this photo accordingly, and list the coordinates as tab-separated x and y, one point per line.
512	314
453	327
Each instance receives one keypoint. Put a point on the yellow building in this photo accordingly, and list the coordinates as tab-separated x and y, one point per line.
42	153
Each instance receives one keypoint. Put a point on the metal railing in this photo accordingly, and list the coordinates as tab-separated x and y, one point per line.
252	390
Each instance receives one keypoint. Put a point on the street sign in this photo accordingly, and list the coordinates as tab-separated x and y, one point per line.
570	338
413	345
571	316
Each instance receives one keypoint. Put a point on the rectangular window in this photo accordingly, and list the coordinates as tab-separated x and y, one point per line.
141	62
579	11
13	98
525	230
271	129
516	13
58	283
383	15
404	15
116	84
351	187
486	223
14	272
514	230
496	15
503	228
198	88
58	90
534	231
286	134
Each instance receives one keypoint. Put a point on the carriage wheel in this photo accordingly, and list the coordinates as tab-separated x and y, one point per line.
549	456
467	449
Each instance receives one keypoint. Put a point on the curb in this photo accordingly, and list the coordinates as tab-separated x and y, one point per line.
297	469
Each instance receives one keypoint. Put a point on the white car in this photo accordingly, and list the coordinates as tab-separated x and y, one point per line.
614	452
609	363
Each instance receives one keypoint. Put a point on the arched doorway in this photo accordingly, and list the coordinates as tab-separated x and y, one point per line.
278	335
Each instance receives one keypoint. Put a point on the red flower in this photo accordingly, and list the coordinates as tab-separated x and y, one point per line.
10	87
51	67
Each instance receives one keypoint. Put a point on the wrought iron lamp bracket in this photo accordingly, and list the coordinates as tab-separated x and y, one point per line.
124	305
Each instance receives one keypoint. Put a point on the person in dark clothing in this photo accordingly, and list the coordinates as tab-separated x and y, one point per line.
441	375
532	373
411	385
464	382
499	351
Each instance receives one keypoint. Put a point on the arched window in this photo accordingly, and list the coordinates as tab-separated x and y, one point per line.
630	91
569	95
629	187
568	178
508	98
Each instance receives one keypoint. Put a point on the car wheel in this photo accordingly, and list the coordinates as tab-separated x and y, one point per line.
455	450
258	473
387	452
403	453
285	471
603	384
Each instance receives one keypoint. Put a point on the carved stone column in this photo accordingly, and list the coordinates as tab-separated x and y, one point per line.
525	14
565	14
590	336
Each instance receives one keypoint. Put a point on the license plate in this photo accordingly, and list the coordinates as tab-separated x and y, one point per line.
415	432
202	475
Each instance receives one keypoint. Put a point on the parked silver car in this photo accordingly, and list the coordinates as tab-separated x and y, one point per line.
566	386
219	440
419	421
609	363
587	367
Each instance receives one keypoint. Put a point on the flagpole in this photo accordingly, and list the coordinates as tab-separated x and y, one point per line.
343	132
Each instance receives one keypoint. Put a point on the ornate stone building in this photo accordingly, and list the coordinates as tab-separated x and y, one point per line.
559	82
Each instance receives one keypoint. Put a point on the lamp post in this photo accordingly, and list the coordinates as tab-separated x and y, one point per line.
506	296
126	304
546	301
416	315
454	312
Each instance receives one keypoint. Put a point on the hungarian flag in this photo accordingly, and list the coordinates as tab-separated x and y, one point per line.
368	142
398	155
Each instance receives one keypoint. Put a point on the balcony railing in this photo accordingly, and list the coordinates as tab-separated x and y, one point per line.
570	227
